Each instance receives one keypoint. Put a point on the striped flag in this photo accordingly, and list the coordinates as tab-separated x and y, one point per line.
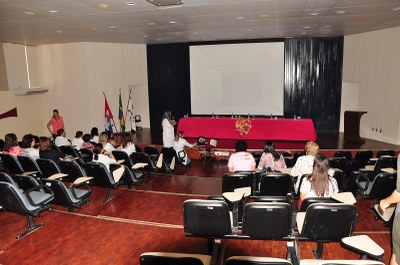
107	117
121	114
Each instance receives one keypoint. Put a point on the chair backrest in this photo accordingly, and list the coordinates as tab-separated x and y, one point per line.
385	153
363	156
28	164
151	150
62	195
4	177
329	222
141	157
383	185
206	218
311	200
13	200
101	175
339	176
122	155
47	167
11	163
69	150
86	155
157	258
26	182
231	181
267	220
351	166
384	162
277	184
338	162
267	198
345	154
73	169
250	260
168	153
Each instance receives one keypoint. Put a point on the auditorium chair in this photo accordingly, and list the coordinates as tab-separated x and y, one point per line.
385	153
141	157
346	154
25	203
231	181
131	176
70	197
168	154
338	162
11	163
339	176
168	258
152	151
275	184
47	167
30	165
101	177
257	157
86	155
326	222
363	156
379	188
163	166
311	200
382	162
73	169
267	220
69	150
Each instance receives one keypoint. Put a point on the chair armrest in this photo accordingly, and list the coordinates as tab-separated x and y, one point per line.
78	185
39	188
363	178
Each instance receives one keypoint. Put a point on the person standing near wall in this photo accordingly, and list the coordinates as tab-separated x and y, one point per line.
56	122
168	129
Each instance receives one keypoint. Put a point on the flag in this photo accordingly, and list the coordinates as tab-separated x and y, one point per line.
121	114
107	117
130	114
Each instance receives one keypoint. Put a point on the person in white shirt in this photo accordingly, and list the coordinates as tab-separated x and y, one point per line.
94	135
168	129
61	140
28	143
127	147
77	142
179	144
103	156
106	142
304	164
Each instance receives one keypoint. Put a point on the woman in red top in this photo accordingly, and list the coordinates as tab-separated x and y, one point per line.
56	122
11	145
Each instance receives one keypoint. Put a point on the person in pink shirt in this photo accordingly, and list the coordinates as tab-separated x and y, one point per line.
11	145
56	122
241	160
271	160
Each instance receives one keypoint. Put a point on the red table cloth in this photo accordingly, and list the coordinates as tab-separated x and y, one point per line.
261	129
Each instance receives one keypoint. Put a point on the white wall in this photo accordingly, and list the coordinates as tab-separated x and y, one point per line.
373	60
78	74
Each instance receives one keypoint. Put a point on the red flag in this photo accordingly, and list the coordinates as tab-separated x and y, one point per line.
107	116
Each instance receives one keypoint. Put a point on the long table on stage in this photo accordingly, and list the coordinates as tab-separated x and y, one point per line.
262	129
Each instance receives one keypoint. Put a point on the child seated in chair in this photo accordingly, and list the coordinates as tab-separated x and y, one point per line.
179	144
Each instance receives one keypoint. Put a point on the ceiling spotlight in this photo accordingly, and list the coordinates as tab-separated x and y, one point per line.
396	8
130	3
112	27
306	27
53	11
30	13
195	33
59	31
248	30
151	23
145	36
264	15
341	12
104	5
314	14
172	22
240	18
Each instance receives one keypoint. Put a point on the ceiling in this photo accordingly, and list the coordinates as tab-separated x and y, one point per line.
35	22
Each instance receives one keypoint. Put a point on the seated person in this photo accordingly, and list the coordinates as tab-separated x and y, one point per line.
271	160
11	145
28	143
241	160
86	142
60	139
318	183
127	146
77	142
179	144
46	151
304	164
106	141
94	135
103	156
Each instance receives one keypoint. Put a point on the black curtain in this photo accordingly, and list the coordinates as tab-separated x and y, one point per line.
313	80
168	73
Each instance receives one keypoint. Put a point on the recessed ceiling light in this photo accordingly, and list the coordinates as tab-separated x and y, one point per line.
93	28
30	13
53	11
145	36
314	14
341	12
240	18
194	33
59	31
327	26
172	22
104	5
248	30
264	15
306	27
112	27
130	3
396	8
151	23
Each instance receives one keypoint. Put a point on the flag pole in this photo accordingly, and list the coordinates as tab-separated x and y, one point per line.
127	106
115	127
